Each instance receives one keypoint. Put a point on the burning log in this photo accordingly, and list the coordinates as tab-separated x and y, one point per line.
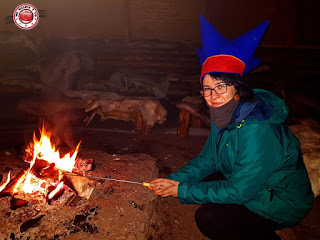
64	196
55	191
83	186
7	188
3	186
47	171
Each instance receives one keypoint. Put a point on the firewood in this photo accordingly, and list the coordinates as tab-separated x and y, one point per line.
45	171
83	164
48	170
10	186
82	185
64	197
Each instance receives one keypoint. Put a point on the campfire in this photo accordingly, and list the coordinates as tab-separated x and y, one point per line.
44	179
48	197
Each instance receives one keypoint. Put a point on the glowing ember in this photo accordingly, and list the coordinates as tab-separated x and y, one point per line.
29	183
57	189
45	158
6	183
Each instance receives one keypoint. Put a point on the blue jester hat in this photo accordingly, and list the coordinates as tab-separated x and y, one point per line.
219	54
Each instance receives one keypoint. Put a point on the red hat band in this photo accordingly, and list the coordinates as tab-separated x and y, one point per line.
222	63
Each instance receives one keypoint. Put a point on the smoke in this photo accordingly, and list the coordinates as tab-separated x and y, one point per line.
58	116
59	73
62	134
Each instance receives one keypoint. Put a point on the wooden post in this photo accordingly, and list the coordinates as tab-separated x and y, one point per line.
183	124
196	122
138	122
146	130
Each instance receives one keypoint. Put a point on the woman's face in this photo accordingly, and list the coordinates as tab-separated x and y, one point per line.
217	100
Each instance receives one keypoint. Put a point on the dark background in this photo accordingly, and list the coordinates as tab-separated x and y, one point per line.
79	45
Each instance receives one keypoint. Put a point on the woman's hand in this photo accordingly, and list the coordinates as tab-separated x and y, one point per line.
164	187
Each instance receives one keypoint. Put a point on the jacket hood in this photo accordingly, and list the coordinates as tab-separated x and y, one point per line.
268	108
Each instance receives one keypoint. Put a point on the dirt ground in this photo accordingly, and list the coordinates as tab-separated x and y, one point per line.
170	220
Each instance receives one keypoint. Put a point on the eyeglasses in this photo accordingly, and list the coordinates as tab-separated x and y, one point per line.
219	89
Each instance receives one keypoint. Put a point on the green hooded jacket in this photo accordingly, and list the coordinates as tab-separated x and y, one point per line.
260	159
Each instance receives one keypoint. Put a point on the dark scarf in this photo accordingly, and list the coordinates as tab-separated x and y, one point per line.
221	116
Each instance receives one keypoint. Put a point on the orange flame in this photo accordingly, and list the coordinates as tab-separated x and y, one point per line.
43	149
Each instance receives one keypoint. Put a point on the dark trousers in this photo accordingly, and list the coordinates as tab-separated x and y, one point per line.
233	222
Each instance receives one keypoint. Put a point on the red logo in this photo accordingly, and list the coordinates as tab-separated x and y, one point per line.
26	16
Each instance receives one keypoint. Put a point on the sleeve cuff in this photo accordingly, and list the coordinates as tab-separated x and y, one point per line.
183	190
